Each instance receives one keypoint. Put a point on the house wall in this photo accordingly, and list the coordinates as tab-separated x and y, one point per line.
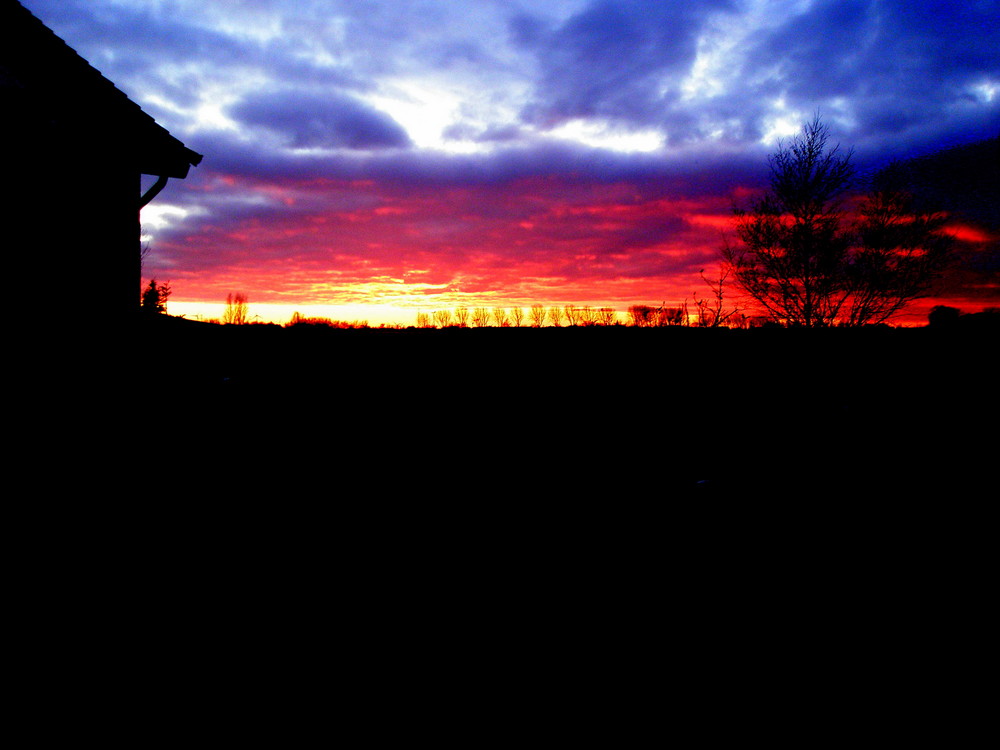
71	226
73	150
105	222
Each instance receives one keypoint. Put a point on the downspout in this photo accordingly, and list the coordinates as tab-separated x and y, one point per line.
160	183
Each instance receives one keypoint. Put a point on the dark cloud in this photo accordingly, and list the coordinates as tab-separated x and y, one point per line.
896	69
619	60
696	173
330	121
893	72
824	50
526	31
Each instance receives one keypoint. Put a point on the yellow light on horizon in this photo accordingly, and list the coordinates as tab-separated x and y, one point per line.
280	314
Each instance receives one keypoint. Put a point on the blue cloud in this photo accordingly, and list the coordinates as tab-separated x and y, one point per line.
618	60
334	120
895	68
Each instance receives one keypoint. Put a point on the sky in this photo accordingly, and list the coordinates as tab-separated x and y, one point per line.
371	159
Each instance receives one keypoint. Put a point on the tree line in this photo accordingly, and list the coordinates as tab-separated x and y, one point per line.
701	314
517	317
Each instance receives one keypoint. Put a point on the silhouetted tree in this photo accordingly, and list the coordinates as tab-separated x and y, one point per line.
480	317
900	251
738	320
805	262
537	315
713	313
516	316
641	316
942	316
671	316
555	316
606	316
154	298
442	318
462	317
237	310
500	318
299	320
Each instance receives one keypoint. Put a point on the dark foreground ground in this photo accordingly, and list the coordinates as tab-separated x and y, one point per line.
762	531
516	414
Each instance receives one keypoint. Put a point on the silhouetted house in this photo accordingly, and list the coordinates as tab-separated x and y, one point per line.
75	148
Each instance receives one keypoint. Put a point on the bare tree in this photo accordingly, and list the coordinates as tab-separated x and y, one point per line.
738	320
900	252
572	315
462	317
713	313
606	317
671	316
442	318
537	315
500	318
806	262
516	316
480	317
642	316
555	316
237	310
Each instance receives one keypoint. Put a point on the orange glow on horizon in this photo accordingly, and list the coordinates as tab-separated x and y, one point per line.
966	233
383	253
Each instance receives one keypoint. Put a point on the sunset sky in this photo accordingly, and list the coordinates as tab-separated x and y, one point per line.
369	159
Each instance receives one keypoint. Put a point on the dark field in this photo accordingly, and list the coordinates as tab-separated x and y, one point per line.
563	414
771	491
